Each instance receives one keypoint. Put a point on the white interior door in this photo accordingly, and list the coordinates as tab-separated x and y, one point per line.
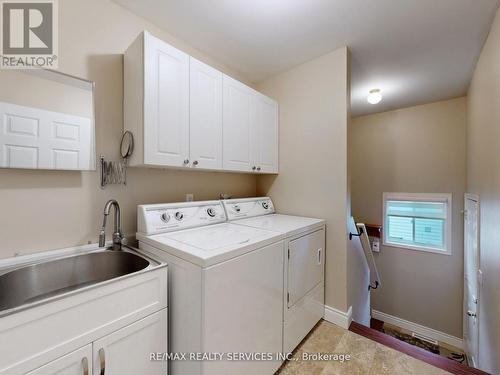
205	120
38	139
75	363
265	139
127	351
471	278
238	102
166	103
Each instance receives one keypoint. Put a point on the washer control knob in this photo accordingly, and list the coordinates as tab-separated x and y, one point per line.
179	215
265	205
165	217
211	212
236	208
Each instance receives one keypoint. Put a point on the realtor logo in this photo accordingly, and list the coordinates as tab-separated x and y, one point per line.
29	34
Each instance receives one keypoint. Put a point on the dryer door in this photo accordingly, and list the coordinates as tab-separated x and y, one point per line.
305	264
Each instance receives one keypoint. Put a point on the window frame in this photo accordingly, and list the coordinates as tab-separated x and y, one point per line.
420	197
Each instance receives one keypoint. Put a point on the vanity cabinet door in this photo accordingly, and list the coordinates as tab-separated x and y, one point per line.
128	350
166	104
78	362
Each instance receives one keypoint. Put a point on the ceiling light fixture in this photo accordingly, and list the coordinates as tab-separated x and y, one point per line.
374	96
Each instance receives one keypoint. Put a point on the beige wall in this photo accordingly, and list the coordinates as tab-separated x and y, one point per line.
52	209
313	111
483	178
419	149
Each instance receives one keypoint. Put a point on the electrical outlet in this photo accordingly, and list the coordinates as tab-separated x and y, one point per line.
376	245
189	197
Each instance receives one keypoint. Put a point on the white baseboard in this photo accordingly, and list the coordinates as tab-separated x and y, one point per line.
337	317
420	329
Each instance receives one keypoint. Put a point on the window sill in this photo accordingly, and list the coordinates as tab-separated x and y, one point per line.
417	248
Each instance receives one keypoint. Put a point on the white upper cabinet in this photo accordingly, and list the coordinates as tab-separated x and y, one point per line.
265	128
156	102
166	103
237	119
186	114
205	124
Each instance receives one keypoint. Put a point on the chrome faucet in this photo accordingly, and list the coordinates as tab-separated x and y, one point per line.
118	239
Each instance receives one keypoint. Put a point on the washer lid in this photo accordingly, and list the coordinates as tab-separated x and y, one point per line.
287	224
206	246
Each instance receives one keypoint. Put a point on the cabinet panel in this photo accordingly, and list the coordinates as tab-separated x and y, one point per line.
127	351
237	126
78	362
166	103
265	137
205	123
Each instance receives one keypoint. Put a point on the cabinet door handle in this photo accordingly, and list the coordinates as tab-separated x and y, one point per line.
186	161
319	256
85	366
195	162
102	361
254	168
258	168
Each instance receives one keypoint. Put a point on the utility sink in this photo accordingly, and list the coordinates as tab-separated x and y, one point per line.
57	277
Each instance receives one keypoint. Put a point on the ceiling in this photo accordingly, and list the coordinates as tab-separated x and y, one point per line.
415	51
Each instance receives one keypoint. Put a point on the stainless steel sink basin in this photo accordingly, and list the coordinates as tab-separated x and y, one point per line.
47	279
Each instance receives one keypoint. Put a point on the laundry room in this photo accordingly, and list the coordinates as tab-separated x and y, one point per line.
265	187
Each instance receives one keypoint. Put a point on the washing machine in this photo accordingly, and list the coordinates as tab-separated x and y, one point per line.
225	288
304	270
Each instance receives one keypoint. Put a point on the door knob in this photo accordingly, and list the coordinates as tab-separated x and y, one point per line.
472	314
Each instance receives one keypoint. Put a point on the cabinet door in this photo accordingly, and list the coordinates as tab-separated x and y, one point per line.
205	122
237	125
75	363
166	103
265	139
127	351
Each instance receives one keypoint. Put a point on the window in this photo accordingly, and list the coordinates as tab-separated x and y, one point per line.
418	221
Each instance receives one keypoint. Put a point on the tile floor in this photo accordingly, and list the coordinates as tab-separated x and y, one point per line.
367	356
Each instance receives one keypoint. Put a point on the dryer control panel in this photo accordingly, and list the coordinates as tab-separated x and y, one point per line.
248	207
162	218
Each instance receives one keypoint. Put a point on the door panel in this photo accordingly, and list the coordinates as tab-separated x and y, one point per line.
166	104
471	273
78	362
305	264
39	139
265	137
205	129
238	102
127	351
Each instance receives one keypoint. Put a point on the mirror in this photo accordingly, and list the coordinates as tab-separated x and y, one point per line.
46	120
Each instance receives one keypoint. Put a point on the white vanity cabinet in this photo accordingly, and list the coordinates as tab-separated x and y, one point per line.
114	327
74	363
186	114
127	351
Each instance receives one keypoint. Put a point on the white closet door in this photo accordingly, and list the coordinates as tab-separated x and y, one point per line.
127	351
265	145
166	103
205	129
39	139
237	126
78	362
